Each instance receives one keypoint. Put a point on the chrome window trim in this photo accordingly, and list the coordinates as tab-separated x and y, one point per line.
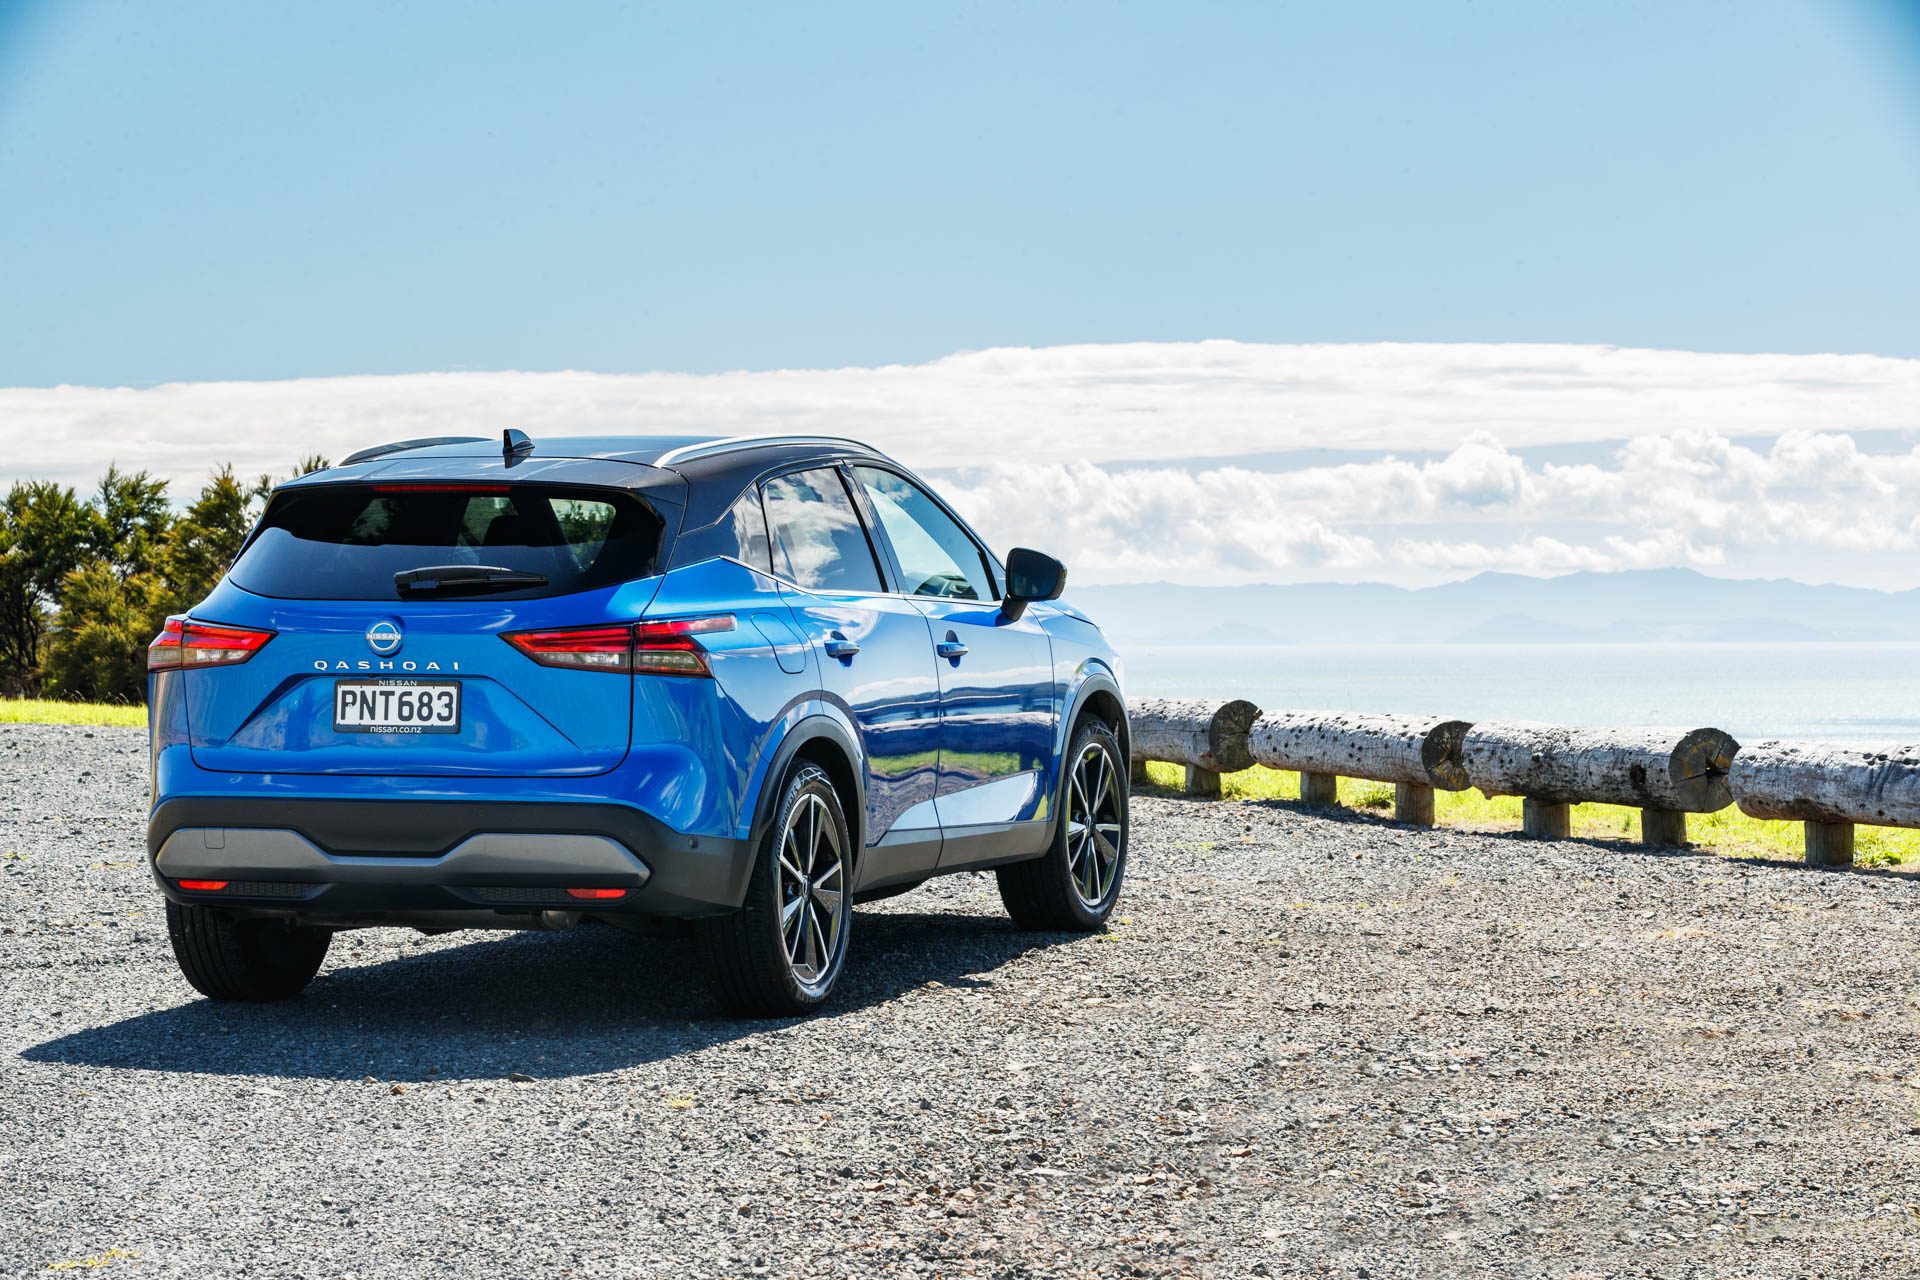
733	444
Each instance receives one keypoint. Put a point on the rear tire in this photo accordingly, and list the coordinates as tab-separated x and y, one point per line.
783	950
1073	886
228	959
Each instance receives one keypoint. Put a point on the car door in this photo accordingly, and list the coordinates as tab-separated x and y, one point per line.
998	698
876	660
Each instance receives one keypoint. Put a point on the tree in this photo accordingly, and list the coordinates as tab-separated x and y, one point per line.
45	533
206	538
110	607
132	518
106	622
117	566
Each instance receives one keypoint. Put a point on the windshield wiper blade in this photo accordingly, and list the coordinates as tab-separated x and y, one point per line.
463	579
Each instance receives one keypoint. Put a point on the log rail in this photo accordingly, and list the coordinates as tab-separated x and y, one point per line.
1665	773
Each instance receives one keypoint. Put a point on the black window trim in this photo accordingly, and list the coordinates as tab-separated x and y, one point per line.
891	577
766	528
882	561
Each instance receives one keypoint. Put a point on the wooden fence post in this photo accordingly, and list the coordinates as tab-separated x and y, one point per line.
1202	782
1413	803
1829	844
1546	819
1319	788
1663	828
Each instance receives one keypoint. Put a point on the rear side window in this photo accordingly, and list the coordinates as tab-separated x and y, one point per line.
346	542
748	524
817	538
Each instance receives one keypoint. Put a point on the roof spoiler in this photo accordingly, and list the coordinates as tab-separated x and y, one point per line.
401	446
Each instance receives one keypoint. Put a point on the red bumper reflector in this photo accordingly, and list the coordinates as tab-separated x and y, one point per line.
596	895
203	886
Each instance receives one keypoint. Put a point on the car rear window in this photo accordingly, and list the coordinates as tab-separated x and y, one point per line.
346	542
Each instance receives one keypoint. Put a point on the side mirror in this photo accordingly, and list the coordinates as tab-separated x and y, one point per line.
1031	575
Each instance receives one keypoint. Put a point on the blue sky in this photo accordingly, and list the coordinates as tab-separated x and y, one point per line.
192	191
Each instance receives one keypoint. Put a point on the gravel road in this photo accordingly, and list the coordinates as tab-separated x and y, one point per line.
1312	1045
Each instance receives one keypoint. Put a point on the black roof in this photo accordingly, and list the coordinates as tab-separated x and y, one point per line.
618	461
703	473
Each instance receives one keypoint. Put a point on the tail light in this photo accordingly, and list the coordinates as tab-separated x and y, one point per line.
582	648
596	895
665	648
202	886
182	642
668	648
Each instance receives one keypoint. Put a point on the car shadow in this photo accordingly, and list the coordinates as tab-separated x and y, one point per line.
548	1006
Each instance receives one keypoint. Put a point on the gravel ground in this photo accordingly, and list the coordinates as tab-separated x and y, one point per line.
1312	1045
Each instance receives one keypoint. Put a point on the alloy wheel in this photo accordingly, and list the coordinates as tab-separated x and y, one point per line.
814	903
1094	825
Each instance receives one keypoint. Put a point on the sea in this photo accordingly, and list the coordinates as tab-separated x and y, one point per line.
1822	692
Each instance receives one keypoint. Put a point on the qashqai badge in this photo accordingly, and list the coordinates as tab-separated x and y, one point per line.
383	637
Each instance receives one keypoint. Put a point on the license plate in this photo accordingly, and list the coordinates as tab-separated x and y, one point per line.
396	706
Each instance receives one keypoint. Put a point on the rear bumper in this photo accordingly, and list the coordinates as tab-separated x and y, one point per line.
348	858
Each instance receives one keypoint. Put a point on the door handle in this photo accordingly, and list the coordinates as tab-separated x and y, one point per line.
951	648
838	646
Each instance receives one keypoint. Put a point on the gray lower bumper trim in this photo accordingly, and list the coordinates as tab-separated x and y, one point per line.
194	853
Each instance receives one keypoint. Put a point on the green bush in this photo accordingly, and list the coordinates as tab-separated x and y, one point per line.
106	622
86	584
45	533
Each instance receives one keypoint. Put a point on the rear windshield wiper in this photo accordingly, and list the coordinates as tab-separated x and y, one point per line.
463	579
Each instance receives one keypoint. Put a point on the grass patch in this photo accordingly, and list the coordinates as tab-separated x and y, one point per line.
1729	831
53	711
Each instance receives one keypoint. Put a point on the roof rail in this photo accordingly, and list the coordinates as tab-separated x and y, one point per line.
401	446
709	448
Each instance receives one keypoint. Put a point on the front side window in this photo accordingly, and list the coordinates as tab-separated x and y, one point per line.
937	557
817	538
347	541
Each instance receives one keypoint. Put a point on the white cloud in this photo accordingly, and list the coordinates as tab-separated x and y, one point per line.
1153	460
1694	498
1140	402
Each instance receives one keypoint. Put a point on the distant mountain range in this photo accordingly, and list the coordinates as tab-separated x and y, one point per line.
1642	606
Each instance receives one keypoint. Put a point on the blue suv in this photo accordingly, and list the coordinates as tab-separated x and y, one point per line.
465	683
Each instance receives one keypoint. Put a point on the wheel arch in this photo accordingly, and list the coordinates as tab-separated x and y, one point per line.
1097	694
822	740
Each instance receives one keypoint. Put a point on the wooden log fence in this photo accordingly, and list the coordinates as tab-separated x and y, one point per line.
1665	773
1208	737
1829	788
1414	753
